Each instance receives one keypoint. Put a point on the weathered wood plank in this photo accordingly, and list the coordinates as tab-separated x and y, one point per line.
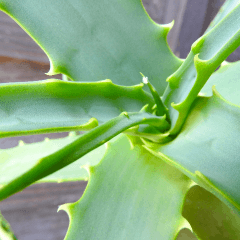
156	9
198	14
14	141
191	19
165	11
235	56
20	70
33	214
212	9
191	28
15	43
175	11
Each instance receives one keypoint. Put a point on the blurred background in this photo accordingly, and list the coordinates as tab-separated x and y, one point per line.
33	212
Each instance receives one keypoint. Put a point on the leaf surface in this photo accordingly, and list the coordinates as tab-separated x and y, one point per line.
18	160
54	105
227	82
207	149
78	148
207	53
226	8
210	218
96	40
131	195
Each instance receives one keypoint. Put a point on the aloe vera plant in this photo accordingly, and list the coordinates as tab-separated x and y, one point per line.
146	145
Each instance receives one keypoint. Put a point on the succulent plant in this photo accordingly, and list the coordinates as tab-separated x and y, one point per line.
145	144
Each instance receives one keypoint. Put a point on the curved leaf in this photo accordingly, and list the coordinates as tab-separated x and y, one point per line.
54	105
131	195
207	149
210	218
18	160
206	55
78	148
96	40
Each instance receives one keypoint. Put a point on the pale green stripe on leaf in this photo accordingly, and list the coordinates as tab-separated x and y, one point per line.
206	55
57	106
227	7
95	40
131	195
78	148
18	160
207	149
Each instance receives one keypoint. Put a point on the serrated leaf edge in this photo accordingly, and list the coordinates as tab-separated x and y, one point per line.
203	68
199	179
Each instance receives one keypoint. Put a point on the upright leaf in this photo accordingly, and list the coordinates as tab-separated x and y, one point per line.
207	53
207	149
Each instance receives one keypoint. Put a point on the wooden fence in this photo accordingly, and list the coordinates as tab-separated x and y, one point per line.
33	212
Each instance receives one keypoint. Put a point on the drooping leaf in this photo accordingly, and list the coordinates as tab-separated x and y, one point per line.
207	149
78	148
96	40
18	160
209	217
131	195
227	82
54	105
207	53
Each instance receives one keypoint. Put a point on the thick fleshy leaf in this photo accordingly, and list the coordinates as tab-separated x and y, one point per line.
54	105
95	40
227	82
78	148
207	149
207	53
209	217
131	195
18	160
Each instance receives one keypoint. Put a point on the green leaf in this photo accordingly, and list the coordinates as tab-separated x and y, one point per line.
210	218
131	195
18	160
206	55
78	148
57	106
96	40
6	232
226	8
207	149
226	81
